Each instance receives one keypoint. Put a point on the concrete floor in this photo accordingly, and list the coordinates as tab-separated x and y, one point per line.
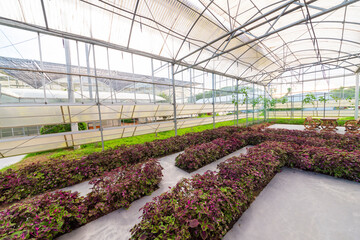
341	130
116	225
4	162
299	205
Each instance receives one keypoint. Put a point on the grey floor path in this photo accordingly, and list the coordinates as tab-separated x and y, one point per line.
4	162
301	205
116	225
340	130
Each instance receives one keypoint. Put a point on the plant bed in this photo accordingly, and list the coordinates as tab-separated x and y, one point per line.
38	178
343	141
202	207
206	206
200	155
52	214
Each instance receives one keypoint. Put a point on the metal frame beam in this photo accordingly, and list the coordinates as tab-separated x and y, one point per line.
356	115
343	4
132	22
270	52
313	35
170	31
291	42
192	26
327	61
44	13
174	97
88	40
231	33
236	29
310	6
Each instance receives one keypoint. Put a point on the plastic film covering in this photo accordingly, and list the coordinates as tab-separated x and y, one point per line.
176	29
208	108
164	110
14	116
30	144
22	116
91	113
224	107
145	111
23	145
269	36
84	137
186	109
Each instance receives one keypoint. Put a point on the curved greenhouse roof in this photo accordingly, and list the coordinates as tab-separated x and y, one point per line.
249	40
19	93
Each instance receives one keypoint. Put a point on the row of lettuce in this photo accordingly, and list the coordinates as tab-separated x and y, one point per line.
38	178
203	207
206	206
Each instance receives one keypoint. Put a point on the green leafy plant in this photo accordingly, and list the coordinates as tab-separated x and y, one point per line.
127	120
256	101
52	214
349	99
322	99
283	100
49	129
245	92
200	155
309	98
336	98
40	177
205	206
165	96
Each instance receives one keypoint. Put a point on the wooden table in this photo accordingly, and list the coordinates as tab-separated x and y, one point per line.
329	124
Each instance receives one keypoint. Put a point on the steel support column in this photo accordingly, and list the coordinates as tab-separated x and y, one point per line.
213	97
87	55
98	101
42	68
253	107
247	108
237	102
174	97
70	85
324	104
80	78
356	115
265	103
152	79
302	94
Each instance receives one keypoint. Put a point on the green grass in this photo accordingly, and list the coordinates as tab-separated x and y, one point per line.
96	147
8	167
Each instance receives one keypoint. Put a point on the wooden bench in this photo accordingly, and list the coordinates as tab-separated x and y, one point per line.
352	126
311	123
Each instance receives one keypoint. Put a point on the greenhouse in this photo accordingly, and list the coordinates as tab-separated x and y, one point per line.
179	119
